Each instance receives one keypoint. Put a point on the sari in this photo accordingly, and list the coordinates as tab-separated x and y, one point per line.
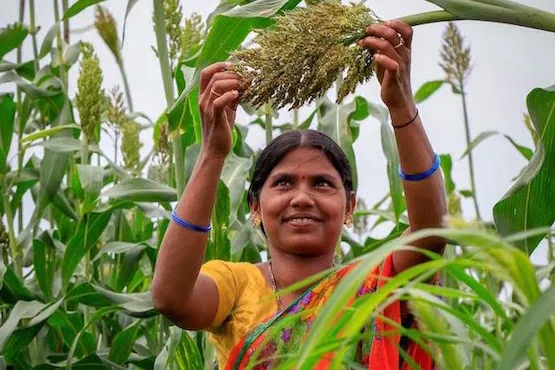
261	348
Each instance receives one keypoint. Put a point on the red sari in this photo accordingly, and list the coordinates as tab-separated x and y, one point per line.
262	350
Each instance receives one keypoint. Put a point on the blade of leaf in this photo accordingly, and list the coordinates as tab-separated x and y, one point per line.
88	232
130	5
446	167
529	202
141	190
11	37
427	90
78	7
123	343
7	112
477	140
537	315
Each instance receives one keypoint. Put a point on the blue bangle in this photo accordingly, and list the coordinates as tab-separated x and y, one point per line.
181	222
423	175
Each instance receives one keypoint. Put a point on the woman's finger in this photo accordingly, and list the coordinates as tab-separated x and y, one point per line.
387	63
387	33
208	72
218	77
219	88
227	100
403	29
383	46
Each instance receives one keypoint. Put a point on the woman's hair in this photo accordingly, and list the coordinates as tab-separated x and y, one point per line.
285	143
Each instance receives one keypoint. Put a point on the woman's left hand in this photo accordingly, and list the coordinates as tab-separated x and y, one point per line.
392	42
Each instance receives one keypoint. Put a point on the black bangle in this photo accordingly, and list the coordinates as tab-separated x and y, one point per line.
407	123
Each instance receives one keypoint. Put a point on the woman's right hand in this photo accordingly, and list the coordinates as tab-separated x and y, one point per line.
218	101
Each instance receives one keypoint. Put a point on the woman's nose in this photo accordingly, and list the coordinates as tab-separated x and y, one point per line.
302	198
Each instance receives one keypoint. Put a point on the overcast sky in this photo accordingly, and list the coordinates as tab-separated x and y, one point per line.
508	61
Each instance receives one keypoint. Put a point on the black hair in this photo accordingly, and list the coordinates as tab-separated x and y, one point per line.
279	147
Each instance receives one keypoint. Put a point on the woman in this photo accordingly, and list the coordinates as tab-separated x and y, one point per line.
300	196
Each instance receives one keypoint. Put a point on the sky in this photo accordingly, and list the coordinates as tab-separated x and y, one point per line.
507	63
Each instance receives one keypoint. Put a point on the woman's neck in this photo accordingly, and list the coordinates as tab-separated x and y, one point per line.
289	269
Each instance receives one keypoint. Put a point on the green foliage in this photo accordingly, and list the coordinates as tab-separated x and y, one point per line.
76	266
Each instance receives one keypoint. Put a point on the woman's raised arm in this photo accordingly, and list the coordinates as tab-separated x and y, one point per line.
424	189
178	291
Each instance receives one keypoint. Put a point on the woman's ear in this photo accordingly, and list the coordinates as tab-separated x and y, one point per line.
254	206
351	203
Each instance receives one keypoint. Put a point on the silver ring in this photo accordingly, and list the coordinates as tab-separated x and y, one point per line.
215	92
401	43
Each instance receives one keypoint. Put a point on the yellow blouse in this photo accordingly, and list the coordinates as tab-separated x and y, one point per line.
245	301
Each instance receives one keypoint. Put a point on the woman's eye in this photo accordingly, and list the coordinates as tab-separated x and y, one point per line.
282	182
323	183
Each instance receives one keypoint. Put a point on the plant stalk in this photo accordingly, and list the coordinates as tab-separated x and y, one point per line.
59	46
21	125
163	57
65	6
470	155
85	152
268	122
16	251
125	84
295	118
501	11
34	34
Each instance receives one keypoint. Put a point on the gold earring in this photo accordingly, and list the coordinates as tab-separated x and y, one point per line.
349	221
256	222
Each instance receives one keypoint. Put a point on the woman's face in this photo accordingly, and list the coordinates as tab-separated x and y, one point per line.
303	204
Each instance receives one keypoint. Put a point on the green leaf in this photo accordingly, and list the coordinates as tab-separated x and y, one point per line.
466	193
426	90
130	5
11	38
260	8
446	167
91	178
219	246
29	89
234	176
179	352
46	46
52	171
129	267
334	122
529	202
49	132
44	267
99	314
23	336
62	144
13	289
21	310
87	235
389	147
135	304
68	324
78	7
536	316
7	117
123	343
526	152
117	247
141	190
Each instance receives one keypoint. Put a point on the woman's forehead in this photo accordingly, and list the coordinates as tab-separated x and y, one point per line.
305	161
